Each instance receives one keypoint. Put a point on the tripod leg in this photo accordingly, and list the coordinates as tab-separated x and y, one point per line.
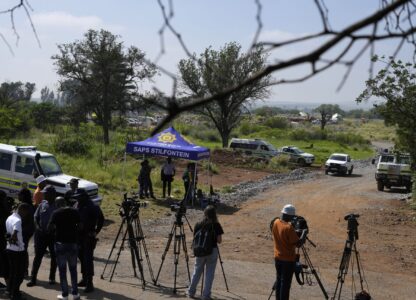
171	234
313	271
222	268
176	251
357	257
343	269
118	255
135	251
273	289
142	242
113	247
185	250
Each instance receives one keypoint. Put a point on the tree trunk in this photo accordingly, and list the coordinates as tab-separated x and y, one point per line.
106	135
225	136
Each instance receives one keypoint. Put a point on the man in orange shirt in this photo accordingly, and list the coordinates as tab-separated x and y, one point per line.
38	195
285	242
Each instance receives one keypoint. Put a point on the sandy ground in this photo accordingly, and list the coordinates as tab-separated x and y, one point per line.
386	244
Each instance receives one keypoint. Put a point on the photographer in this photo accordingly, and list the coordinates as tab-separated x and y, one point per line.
208	227
285	242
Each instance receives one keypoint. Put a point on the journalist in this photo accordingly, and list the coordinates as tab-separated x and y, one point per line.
211	232
285	242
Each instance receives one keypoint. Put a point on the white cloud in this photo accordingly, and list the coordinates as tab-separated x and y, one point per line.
60	19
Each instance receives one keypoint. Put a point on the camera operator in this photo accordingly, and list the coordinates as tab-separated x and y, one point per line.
285	242
91	222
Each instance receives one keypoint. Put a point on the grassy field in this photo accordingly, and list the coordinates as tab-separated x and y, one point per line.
105	164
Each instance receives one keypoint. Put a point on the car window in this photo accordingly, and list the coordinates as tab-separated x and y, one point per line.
24	165
387	159
5	161
338	157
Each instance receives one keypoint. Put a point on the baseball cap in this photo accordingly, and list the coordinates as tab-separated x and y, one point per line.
73	180
40	179
48	189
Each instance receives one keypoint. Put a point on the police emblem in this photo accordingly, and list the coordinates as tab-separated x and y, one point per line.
167	137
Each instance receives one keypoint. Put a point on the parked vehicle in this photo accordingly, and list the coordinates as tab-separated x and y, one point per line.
22	164
255	147
298	156
393	170
339	163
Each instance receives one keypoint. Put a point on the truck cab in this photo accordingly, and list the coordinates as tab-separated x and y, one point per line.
22	164
393	170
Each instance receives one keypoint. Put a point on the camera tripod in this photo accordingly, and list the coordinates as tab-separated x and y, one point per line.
134	234
349	250
177	233
300	278
222	269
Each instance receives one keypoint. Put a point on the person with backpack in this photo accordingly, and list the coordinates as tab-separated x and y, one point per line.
207	234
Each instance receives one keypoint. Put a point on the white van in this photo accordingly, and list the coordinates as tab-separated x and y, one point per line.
256	147
22	164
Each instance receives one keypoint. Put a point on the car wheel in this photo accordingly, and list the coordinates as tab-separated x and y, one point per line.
350	171
380	186
409	188
301	162
326	172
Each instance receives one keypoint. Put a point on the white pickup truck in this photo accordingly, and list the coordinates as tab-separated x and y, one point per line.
339	163
393	170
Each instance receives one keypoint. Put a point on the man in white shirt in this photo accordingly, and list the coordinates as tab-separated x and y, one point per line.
167	174
15	250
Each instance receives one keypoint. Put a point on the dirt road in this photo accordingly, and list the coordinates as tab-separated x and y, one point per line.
386	244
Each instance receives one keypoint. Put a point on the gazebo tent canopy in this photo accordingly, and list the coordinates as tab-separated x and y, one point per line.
168	143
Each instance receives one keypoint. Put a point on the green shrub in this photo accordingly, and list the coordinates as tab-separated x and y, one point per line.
71	145
247	128
277	122
279	161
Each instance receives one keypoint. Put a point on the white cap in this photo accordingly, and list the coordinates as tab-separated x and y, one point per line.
289	209
40	179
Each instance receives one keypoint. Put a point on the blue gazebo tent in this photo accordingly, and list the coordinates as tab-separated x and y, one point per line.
168	143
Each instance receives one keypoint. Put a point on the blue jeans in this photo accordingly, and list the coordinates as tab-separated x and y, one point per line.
209	262
284	274
67	253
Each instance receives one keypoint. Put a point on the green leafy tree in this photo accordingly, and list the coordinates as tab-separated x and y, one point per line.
106	74
215	71
326	111
397	86
9	123
14	93
46	114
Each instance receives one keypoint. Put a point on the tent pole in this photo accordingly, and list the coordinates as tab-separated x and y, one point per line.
194	191
124	167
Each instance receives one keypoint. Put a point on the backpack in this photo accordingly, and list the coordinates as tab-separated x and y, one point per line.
204	239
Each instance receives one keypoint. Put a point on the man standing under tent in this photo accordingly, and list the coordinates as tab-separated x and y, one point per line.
167	173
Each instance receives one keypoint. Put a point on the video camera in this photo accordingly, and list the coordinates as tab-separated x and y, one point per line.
300	224
352	226
131	205
180	211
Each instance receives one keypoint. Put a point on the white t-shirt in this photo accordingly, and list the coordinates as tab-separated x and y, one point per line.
14	223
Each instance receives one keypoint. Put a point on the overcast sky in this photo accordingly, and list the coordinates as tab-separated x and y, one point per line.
201	24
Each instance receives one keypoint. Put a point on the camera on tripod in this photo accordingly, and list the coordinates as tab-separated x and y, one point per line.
300	224
352	226
131	205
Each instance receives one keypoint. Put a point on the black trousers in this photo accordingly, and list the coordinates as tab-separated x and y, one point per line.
86	256
284	274
16	273
43	242
167	181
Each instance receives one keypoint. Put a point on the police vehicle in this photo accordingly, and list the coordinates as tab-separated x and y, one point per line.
255	147
20	164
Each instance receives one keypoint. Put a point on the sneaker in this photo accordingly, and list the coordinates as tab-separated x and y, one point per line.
31	283
76	297
192	296
60	297
82	283
52	281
